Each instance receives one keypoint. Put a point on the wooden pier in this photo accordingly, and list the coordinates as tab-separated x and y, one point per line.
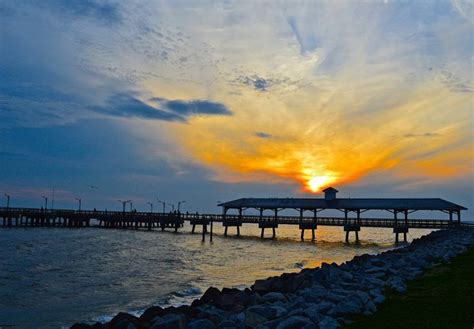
32	217
352	221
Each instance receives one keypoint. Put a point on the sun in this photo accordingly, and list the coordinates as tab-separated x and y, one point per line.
316	182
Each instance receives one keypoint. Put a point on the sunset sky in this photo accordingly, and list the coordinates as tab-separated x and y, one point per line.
208	101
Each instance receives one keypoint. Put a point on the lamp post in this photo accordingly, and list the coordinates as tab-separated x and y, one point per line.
8	199
172	206
80	203
45	202
124	202
179	204
151	206
163	203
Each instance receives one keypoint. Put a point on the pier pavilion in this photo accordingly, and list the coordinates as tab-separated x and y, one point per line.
399	207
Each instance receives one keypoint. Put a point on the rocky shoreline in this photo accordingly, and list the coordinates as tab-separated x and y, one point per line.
323	297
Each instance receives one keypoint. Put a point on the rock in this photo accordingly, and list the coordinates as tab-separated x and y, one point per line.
122	321
370	308
363	296
335	298
312	312
209	296
349	306
296	322
228	324
314	293
328	322
211	312
253	319
379	300
273	297
81	326
325	307
258	314
169	321
262	285
201	324
151	313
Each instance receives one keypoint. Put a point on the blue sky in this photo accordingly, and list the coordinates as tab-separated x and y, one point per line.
214	100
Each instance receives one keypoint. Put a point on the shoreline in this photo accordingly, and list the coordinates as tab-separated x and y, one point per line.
322	297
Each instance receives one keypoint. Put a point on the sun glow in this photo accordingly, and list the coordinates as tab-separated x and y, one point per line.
317	182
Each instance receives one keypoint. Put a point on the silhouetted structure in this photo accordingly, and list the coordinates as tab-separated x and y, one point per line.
33	217
402	206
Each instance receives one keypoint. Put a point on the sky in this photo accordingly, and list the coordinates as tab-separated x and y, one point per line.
208	101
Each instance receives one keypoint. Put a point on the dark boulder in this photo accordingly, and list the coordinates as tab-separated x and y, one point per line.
209	296
151	313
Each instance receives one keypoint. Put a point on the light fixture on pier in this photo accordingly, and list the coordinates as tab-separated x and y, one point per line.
8	199
151	206
163	203
45	202
80	203
179	204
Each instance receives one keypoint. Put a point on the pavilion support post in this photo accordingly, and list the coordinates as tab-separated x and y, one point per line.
224	215
262	232
193	229
204	231
450	216
459	216
313	237
406	226
210	234
345	223
276	221
357	236
301	224
395	219
240	221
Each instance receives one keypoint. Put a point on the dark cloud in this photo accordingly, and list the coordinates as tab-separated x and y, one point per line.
101	10
256	82
128	106
261	134
262	84
192	107
421	135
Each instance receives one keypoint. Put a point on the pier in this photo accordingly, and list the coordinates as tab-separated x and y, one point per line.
351	221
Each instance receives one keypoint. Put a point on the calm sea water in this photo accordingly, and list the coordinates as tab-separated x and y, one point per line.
54	277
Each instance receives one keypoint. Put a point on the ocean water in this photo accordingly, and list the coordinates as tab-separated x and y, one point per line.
54	277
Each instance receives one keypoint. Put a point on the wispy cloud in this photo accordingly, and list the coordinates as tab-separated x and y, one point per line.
262	134
193	107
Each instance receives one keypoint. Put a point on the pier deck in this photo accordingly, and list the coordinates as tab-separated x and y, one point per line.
34	217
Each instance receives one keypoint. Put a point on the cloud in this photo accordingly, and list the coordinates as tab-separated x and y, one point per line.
260	83
261	134
193	107
421	135
104	11
307	42
127	106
